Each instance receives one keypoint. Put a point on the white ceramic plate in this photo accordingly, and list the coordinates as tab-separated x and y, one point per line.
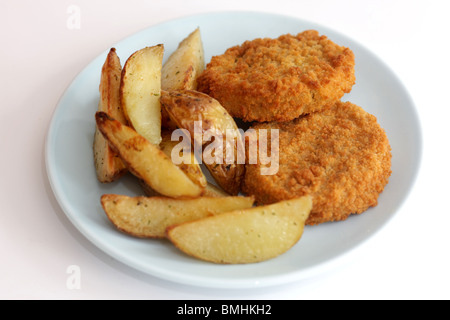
71	171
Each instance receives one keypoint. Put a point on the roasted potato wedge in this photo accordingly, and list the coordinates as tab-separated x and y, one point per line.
182	69
213	191
149	217
108	165
188	108
185	64
146	161
189	164
244	236
140	90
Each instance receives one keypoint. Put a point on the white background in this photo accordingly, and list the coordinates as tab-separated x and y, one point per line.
408	259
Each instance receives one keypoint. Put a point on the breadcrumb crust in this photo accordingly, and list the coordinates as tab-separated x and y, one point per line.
279	79
341	156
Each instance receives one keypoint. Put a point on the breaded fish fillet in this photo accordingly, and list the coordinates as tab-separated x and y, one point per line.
341	156
279	79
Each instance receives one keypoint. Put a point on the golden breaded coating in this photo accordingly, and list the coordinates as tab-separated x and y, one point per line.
341	156
279	79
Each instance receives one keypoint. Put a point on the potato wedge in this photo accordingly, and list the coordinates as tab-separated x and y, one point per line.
188	108
214	191
146	161
210	191
149	217
108	165
185	64
244	236
182	69
189	164
140	90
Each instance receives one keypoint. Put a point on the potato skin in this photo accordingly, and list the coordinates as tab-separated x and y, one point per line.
108	165
186	107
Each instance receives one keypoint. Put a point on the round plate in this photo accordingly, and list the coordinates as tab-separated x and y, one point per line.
70	166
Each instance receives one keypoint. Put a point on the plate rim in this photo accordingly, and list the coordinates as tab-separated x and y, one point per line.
233	283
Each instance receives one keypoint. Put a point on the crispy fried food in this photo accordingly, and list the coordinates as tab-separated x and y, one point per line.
279	79
341	156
